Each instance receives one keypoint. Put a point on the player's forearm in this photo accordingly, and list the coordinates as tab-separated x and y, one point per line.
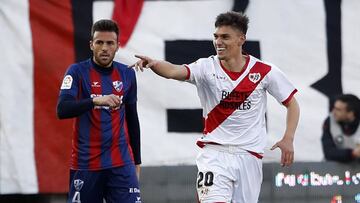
292	119
134	131
168	70
69	107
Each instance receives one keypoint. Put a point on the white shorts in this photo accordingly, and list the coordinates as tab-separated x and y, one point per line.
228	174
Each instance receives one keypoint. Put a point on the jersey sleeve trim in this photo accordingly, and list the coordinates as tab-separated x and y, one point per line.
188	72
286	101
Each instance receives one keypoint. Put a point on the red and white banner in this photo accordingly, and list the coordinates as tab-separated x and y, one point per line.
40	39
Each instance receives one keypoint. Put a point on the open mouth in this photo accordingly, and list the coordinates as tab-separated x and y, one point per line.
220	50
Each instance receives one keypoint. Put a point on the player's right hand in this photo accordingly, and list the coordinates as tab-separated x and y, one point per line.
144	62
112	101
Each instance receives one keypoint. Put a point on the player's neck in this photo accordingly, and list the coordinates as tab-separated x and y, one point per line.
100	65
235	64
102	69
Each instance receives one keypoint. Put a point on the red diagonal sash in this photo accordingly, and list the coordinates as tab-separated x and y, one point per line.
238	95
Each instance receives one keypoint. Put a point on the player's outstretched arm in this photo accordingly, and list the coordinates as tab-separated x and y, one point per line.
163	68
286	143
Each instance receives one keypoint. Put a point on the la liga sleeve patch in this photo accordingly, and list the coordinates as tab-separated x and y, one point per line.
67	82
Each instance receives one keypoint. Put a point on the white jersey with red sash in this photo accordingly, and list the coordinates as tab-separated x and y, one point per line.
234	110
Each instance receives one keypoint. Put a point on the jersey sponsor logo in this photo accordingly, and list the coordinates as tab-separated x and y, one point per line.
67	82
245	105
254	77
118	85
134	190
219	77
95	84
235	100
234	95
105	107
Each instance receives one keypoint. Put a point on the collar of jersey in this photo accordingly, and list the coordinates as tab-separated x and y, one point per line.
102	69
235	75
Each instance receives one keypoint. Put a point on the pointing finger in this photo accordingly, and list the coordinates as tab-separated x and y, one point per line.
141	57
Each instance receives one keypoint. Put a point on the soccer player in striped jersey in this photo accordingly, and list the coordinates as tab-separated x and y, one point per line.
101	95
232	88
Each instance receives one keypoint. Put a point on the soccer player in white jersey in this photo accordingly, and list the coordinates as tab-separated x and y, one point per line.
232	88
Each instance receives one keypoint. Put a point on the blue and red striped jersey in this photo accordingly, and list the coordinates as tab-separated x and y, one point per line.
100	136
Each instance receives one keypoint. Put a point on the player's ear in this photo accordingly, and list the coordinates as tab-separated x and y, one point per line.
118	45
91	45
242	39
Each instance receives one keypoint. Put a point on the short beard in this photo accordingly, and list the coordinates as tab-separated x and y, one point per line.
101	64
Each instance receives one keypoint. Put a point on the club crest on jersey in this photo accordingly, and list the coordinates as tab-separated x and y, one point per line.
118	85
254	77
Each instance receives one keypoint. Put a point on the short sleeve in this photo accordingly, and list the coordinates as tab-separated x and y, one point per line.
196	71
279	86
70	83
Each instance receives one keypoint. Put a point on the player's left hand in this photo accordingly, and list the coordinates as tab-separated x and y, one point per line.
287	151
137	167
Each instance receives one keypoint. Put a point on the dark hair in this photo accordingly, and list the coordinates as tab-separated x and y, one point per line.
352	101
234	19
105	25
